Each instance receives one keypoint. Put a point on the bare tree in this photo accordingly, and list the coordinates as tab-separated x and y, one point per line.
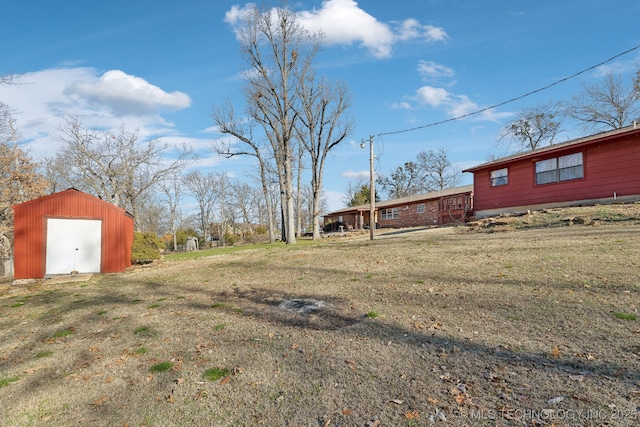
324	124
299	188
203	188
533	127
358	193
171	194
279	53
244	201
114	166
152	215
403	181
229	124
610	104
438	171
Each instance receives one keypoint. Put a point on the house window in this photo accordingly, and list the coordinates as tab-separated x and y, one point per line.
563	168
390	213
499	177
421	208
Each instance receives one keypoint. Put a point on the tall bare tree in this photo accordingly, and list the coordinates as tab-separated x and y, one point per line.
204	189
610	104
229	124
439	172
533	127
278	52
171	193
114	166
324	123
403	181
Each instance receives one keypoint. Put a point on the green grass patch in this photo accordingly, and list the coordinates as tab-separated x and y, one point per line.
154	306
372	314
161	367
161	299
141	350
232	249
219	327
219	305
44	354
624	316
17	304
135	301
7	381
420	282
63	333
214	374
100	313
142	330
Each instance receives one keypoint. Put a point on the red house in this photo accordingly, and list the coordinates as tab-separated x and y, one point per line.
429	209
70	231
599	169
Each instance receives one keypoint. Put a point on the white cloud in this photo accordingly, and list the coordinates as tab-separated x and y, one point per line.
401	106
430	70
434	34
44	99
124	94
454	105
355	174
236	14
343	22
411	29
433	96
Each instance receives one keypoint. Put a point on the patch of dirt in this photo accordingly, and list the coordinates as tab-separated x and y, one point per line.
521	328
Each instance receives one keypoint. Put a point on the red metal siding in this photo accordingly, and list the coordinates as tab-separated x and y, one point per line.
609	167
30	231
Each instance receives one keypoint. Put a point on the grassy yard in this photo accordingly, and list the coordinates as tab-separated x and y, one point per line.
533	326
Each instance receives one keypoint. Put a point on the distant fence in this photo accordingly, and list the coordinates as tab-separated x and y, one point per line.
6	266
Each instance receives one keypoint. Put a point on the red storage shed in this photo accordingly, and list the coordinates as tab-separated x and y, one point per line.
68	232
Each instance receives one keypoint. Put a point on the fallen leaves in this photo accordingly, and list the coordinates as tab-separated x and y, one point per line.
34	370
412	415
556	352
99	401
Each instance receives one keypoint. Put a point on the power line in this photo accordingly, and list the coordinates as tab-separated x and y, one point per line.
512	99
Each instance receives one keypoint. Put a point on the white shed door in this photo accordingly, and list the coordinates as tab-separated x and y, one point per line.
73	245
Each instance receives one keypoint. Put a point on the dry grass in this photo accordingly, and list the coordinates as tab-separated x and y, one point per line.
514	328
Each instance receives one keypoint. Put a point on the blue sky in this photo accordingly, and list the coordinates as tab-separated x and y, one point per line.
162	66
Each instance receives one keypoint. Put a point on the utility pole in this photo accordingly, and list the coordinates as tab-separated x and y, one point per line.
372	189
372	211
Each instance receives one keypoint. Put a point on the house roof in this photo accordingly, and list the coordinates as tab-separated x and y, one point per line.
415	198
592	139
